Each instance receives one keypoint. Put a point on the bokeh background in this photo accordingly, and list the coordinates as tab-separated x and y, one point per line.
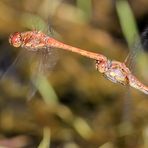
75	106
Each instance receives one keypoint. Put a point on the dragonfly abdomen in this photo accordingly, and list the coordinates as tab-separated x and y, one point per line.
134	82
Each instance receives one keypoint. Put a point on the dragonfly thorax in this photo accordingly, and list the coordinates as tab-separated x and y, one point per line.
117	73
33	41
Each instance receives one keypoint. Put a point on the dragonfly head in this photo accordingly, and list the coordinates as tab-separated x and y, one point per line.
101	66
15	39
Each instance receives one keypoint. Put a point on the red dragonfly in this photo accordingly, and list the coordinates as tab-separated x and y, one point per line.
115	71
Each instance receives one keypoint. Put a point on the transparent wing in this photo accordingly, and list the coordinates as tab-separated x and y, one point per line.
130	60
15	81
13	69
127	106
141	44
42	63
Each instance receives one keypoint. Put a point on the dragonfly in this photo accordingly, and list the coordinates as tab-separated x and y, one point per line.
115	71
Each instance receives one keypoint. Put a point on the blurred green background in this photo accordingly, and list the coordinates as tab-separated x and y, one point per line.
75	106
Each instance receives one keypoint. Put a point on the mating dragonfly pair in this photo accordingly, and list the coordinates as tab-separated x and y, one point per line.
115	71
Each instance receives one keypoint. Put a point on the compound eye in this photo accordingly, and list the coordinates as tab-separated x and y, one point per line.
15	39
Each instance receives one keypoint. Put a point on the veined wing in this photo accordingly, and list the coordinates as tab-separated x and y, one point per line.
44	61
130	60
16	78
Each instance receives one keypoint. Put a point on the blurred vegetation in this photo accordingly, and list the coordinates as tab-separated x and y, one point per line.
75	106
